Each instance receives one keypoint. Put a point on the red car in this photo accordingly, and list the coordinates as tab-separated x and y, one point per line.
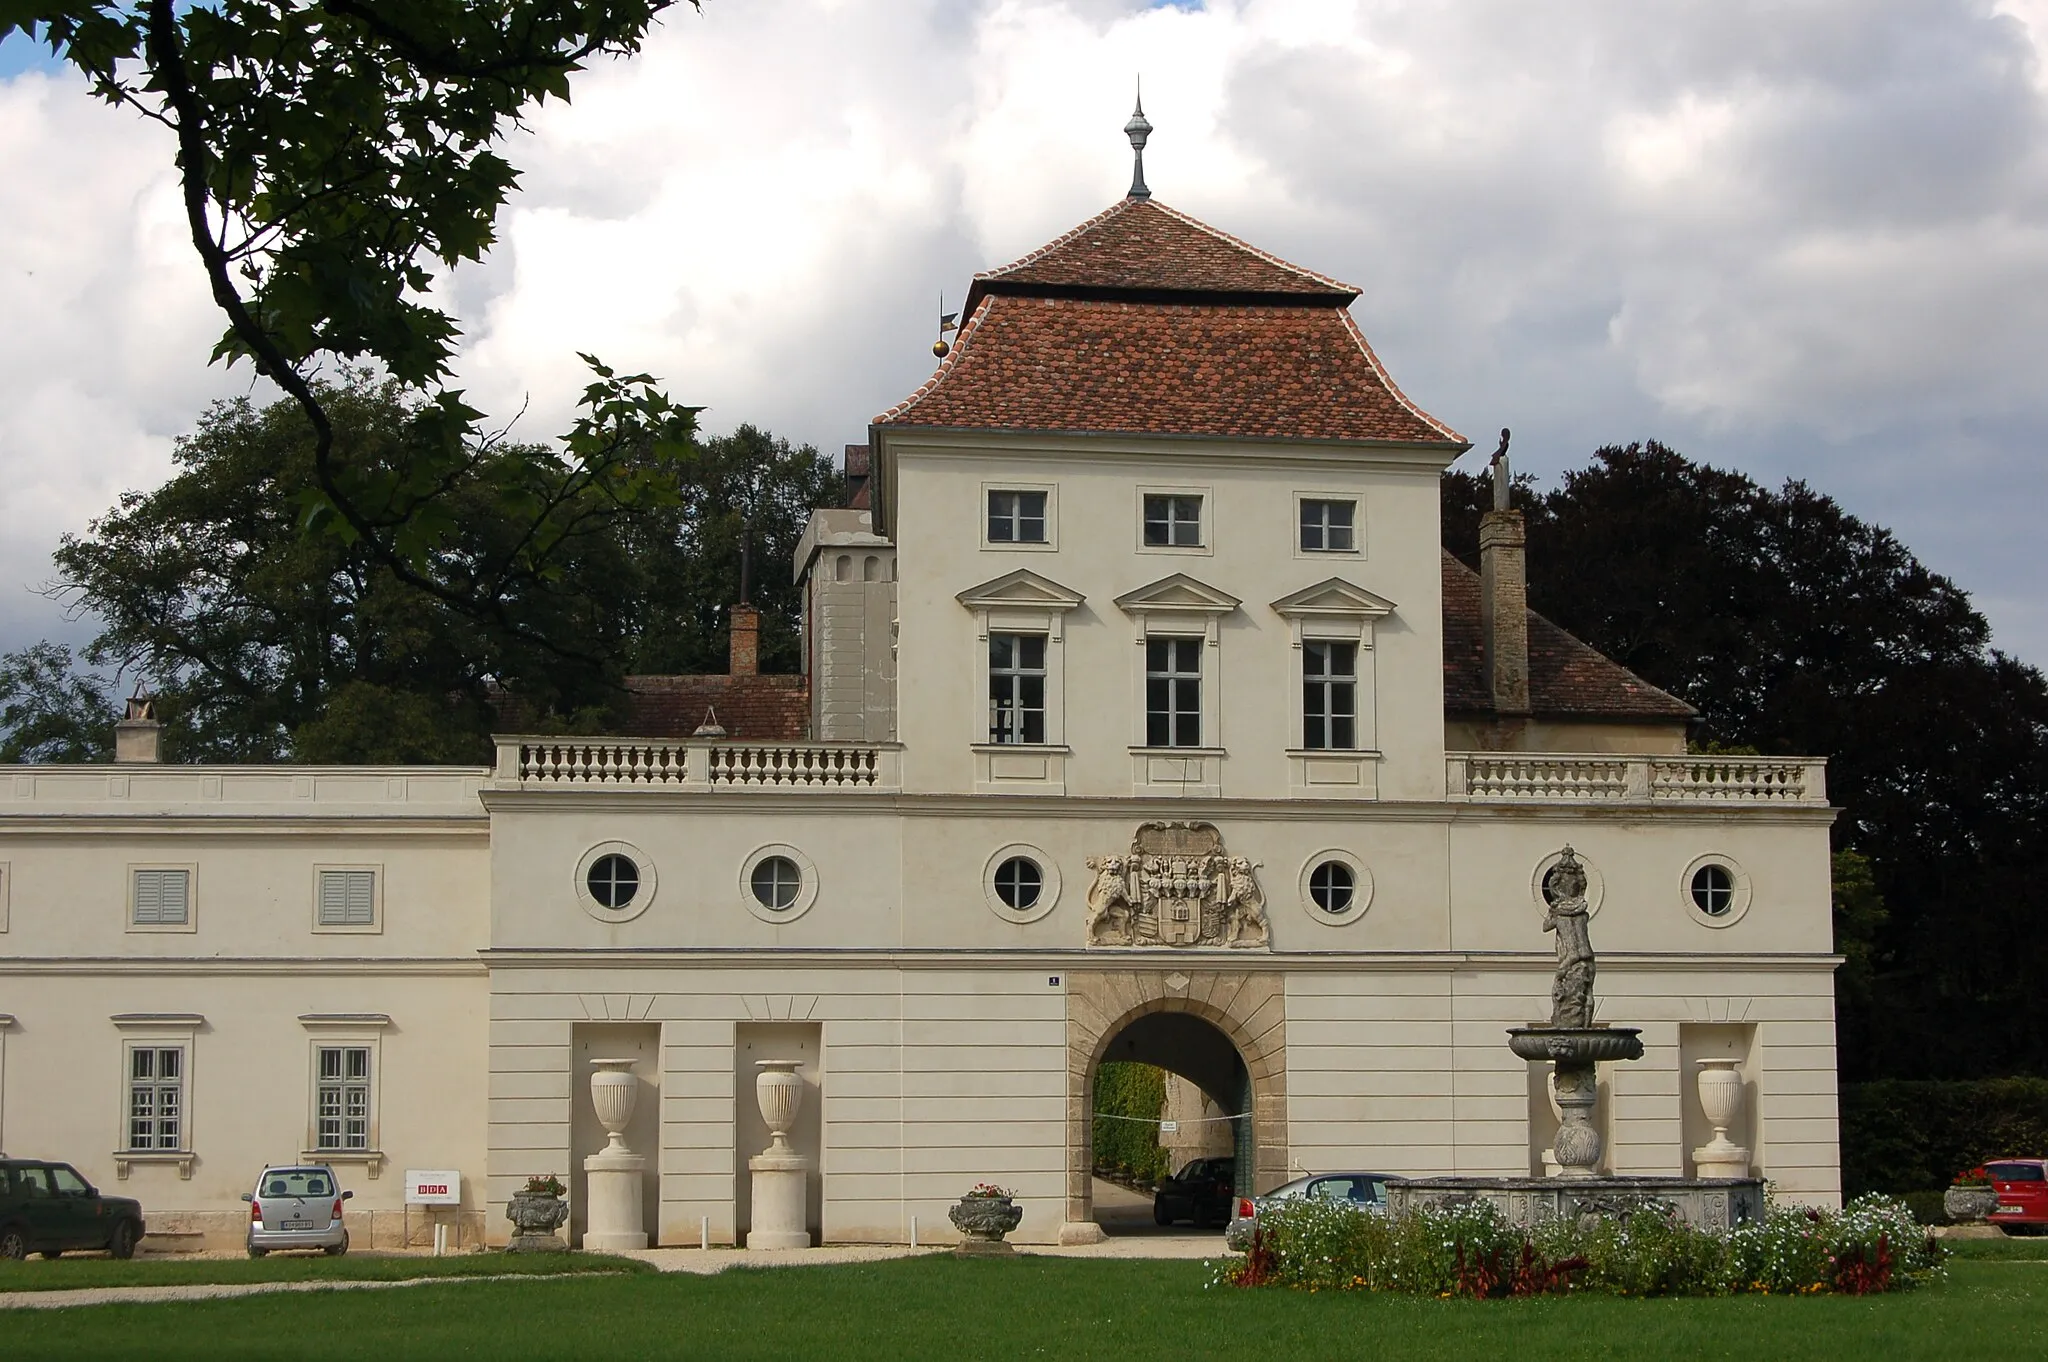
2022	1186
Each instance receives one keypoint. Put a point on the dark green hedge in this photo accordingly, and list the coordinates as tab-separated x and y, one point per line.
1129	1147
1903	1135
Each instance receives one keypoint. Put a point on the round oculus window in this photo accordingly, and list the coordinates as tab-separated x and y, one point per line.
1713	890
1018	881
776	882
1331	886
613	880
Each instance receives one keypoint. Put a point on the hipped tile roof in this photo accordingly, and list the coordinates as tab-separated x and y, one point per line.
764	708
1143	321
1567	679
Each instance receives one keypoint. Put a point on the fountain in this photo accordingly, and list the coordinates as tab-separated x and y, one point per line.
1575	1046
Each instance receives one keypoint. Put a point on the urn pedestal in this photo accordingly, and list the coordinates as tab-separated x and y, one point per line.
781	1175
612	1176
1720	1085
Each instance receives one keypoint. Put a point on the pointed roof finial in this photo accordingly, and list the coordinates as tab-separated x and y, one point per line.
1138	129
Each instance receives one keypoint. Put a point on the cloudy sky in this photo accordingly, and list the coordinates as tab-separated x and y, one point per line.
1800	239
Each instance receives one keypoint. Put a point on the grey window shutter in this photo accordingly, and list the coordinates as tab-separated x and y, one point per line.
348	898
162	897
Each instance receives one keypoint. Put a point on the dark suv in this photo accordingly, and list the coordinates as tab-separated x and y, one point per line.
47	1208
1202	1193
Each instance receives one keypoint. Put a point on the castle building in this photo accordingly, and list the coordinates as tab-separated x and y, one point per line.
1144	717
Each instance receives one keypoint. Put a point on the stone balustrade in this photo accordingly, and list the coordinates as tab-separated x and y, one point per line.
1596	778
547	762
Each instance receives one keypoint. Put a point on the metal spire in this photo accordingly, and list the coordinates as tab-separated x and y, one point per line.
1138	130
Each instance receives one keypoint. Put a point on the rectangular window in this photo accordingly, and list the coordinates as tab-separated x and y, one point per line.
156	1097
1016	688
1328	526
1173	521
163	898
1329	695
343	1115
348	898
1173	692
1016	517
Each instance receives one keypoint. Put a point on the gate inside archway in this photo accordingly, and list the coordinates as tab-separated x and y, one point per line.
1224	1032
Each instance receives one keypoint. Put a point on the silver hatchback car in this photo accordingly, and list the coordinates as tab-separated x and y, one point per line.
1360	1191
297	1206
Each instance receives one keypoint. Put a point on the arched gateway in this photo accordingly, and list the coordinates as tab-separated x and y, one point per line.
1165	1017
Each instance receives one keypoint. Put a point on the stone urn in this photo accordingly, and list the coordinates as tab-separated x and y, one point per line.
780	1174
1969	1203
535	1217
1720	1087
984	1220
613	1176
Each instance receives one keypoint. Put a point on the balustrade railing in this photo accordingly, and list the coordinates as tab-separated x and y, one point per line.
1524	777
543	763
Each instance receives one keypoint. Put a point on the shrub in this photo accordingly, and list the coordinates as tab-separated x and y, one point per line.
1128	1144
1908	1136
1871	1245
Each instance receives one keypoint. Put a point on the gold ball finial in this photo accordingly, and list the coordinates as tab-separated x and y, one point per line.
941	349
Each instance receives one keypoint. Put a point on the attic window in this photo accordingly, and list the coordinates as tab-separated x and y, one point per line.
1173	521
1016	517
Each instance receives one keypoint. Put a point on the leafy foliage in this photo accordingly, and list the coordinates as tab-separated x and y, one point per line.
1471	1249
333	158
1902	1136
51	712
1796	628
1132	1096
263	643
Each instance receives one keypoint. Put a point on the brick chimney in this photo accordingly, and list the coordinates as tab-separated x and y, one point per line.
1504	608
745	659
138	738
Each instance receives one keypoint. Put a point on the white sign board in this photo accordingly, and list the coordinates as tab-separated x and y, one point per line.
1169	1127
433	1187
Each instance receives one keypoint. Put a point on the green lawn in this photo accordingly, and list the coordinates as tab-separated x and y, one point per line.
66	1273
945	1308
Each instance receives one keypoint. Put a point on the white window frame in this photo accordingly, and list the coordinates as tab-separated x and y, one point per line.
1206	523
1018	673
1051	542
1357	549
344	1031
159	1031
807	883
134	872
1741	890
1174	675
1329	681
376	923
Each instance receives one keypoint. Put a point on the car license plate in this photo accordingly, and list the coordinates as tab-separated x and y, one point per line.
2009	1210
298	1224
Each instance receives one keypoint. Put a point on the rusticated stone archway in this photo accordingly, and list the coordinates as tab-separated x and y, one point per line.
1250	1009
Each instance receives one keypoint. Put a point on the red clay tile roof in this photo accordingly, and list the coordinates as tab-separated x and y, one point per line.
1567	679
1252	372
765	708
1141	245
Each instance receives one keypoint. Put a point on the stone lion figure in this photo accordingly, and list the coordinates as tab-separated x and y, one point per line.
1247	904
1109	903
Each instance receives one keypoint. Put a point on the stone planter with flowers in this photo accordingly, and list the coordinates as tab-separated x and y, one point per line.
983	1217
536	1212
1970	1197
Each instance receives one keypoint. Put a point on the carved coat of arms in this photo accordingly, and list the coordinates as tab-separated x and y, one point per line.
1176	887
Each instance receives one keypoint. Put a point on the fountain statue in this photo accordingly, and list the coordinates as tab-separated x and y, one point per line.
1575	1046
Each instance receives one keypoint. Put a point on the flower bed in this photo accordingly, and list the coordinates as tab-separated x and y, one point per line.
1869	1246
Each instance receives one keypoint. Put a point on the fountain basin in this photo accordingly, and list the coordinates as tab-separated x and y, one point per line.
1704	1203
1576	1045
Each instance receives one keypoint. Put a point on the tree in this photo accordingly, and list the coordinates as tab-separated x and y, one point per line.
265	644
49	711
1796	628
332	157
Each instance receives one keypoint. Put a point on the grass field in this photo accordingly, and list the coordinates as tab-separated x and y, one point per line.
1130	1311
70	1273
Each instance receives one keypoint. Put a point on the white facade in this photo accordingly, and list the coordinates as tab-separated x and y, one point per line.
946	1037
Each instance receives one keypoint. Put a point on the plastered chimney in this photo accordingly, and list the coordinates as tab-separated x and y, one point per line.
1504	608
745	658
138	737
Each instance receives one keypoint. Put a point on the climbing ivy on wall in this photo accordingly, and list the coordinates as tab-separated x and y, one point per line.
1129	1148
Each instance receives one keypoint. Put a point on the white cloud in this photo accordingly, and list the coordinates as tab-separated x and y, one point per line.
1806	239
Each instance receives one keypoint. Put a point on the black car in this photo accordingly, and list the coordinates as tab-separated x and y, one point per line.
1202	1192
47	1208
